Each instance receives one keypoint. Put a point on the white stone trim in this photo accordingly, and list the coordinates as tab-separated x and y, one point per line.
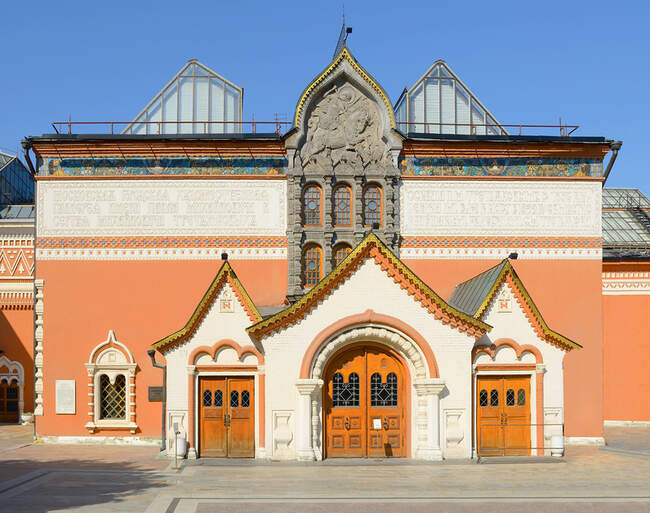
584	440
112	370
501	253
38	348
627	423
101	440
264	253
626	283
425	420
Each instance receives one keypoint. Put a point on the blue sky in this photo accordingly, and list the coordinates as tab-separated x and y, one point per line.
528	62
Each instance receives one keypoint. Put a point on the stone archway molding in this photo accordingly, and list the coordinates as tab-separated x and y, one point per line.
371	327
403	338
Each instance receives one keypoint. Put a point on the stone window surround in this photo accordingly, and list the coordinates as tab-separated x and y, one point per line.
95	370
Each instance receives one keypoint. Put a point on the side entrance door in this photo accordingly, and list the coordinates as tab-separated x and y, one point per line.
227	419
503	415
364	405
9	402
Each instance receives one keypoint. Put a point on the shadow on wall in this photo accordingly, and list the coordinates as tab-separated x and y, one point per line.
72	484
14	348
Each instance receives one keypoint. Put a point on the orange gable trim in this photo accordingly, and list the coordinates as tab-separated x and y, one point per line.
372	247
225	275
509	275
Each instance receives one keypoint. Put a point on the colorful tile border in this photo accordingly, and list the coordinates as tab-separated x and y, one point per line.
430	166
166	166
502	242
162	242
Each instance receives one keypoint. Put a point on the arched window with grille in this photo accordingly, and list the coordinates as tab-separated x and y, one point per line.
312	265
312	211
339	253
372	210
112	401
342	206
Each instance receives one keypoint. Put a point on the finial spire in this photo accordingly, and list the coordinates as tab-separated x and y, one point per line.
343	36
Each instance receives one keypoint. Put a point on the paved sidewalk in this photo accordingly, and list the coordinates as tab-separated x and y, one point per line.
98	479
628	439
13	436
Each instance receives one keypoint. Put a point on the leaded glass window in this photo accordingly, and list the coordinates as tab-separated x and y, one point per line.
521	397
207	398
510	397
342	208
383	393
345	394
483	398
311	202
112	404
245	399
340	252
312	259
372	205
234	399
494	398
218	398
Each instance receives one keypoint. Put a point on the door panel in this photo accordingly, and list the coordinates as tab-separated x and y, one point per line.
384	391
503	415
227	420
345	424
241	442
212	425
9	402
364	405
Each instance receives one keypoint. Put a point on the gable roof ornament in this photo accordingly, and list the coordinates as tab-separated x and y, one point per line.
371	247
343	56
225	275
475	296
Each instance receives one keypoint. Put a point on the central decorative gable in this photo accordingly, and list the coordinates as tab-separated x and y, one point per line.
371	249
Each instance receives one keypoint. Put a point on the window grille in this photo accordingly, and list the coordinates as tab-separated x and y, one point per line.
383	394
372	205
311	201
345	394
218	398
340	252
312	259
113	398
342	211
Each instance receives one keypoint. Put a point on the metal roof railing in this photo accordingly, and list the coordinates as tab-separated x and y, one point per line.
171	127
482	128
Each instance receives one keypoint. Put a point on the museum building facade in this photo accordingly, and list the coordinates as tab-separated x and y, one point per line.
376	281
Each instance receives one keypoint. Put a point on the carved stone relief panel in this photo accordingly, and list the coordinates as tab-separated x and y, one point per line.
343	132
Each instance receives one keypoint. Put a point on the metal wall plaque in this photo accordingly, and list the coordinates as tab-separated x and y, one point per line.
65	397
155	394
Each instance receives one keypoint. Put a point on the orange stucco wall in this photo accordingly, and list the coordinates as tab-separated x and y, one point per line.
17	342
627	357
568	294
142	301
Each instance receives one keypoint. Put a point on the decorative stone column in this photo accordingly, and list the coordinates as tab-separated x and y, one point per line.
191	442
428	394
306	389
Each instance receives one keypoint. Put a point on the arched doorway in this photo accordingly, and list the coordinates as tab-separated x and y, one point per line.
364	403
9	399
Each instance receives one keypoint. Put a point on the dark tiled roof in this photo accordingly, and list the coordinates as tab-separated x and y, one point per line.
469	295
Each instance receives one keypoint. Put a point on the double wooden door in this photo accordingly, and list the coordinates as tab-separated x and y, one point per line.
503	415
9	397
364	405
227	417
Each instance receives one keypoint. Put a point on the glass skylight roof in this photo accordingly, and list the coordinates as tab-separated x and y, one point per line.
196	101
439	103
621	227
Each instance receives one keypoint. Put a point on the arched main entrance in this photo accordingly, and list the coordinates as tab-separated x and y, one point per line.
364	403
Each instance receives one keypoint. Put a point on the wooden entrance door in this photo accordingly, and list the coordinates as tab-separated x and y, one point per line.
364	405
9	393
227	420
503	415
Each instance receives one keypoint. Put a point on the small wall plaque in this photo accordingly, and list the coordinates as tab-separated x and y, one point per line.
65	397
155	394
